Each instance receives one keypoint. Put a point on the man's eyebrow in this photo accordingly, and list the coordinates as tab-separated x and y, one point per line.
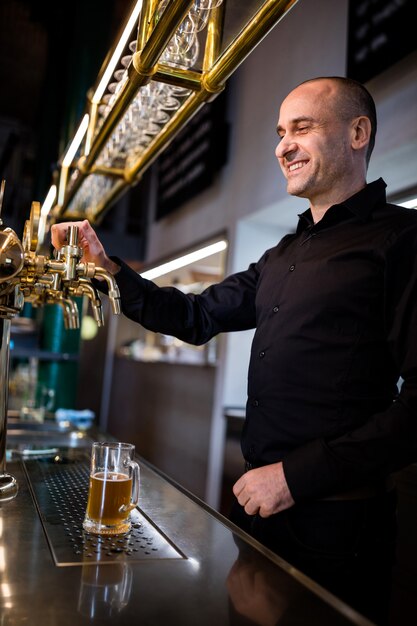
296	121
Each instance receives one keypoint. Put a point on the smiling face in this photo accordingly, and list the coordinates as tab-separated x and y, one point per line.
318	152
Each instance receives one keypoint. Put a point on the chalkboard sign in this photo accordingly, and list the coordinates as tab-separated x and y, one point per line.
193	158
381	32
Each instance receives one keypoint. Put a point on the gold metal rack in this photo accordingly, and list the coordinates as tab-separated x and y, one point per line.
159	69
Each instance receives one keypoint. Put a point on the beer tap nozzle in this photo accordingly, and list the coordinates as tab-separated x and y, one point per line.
71	317
113	289
87	289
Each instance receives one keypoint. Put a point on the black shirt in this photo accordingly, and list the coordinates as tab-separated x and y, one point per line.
335	310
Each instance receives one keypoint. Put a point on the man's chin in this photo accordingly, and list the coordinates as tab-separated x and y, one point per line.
294	189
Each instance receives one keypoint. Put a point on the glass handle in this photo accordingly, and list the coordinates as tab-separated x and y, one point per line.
134	500
135	484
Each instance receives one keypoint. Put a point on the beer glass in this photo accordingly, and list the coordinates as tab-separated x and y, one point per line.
113	490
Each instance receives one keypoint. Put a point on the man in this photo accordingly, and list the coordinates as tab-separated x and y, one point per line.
335	311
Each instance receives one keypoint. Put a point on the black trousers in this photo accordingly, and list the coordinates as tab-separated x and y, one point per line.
347	546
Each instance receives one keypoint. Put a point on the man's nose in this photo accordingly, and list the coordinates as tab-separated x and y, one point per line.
281	149
284	147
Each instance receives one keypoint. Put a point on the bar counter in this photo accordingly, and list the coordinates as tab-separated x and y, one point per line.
183	564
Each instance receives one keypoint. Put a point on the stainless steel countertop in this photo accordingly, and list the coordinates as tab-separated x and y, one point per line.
223	578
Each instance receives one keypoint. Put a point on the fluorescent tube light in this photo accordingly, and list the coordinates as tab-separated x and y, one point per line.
117	53
46	207
75	144
409	204
63	175
182	261
49	200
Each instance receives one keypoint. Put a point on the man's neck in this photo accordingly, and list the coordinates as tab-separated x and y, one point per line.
319	206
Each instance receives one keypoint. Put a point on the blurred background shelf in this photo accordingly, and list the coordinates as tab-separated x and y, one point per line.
42	355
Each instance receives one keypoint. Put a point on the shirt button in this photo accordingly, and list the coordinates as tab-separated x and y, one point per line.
255	403
275	309
261	354
291	268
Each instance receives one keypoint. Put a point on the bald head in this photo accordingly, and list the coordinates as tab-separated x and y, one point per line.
350	99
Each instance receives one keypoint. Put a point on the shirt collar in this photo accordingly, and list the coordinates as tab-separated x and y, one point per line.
361	205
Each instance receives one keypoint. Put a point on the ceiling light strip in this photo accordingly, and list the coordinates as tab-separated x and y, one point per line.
98	94
185	260
75	144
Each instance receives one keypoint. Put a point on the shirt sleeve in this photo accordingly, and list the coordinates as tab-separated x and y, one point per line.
193	318
387	441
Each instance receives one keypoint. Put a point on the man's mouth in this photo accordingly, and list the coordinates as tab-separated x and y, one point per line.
296	166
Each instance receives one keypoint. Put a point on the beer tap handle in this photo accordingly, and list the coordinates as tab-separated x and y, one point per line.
71	253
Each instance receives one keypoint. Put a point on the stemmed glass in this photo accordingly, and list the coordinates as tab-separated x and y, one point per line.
156	101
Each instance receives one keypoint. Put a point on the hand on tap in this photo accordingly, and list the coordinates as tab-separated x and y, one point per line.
93	251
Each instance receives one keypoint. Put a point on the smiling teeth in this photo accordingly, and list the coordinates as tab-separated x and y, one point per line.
295	166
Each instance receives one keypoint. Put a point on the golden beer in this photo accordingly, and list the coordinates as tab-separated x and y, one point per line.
109	498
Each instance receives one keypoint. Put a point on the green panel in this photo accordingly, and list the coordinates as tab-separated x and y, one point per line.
54	336
60	375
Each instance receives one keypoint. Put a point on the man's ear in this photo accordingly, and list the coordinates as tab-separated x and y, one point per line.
361	132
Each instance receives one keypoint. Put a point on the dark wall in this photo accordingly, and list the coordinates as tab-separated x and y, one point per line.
50	54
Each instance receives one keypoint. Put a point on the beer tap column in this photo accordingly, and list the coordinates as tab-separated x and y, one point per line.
27	275
11	302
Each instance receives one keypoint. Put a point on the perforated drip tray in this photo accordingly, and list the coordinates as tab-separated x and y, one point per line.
60	490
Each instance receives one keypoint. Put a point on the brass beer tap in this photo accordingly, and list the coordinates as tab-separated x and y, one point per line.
47	280
26	275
